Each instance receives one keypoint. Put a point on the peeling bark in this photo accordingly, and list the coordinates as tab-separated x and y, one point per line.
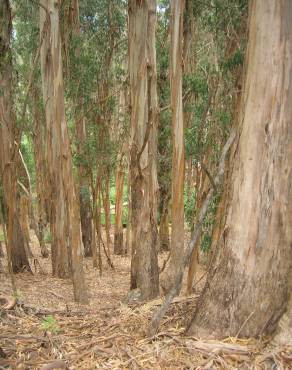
144	263
178	152
66	213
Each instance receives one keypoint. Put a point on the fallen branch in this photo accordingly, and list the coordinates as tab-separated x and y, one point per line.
7	302
109	261
164	264
59	364
175	289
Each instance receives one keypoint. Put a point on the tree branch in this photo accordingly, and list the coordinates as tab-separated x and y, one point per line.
209	176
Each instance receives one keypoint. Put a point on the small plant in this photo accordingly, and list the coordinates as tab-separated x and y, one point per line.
17	294
49	323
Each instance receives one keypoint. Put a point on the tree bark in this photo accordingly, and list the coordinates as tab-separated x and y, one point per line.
107	211
84	191
249	283
178	152
58	211
144	263
118	241
164	225
39	147
16	253
67	214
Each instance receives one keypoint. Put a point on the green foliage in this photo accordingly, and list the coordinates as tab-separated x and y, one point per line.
190	206
48	236
49	323
17	294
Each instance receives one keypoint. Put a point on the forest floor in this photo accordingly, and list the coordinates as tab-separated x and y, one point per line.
46	328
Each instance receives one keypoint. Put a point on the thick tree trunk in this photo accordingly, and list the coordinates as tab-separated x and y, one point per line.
16	253
118	241
66	210
58	211
144	267
178	152
23	217
249	283
20	246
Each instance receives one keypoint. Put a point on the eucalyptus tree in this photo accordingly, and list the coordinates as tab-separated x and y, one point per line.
17	247
65	221
178	148
249	284
142	71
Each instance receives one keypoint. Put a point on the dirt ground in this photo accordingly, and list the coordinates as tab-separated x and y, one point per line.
47	326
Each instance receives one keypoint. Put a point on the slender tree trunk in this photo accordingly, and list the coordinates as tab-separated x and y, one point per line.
249	283
144	264
17	258
107	211
178	151
153	117
164	225
202	192
128	245
39	148
120	174
84	192
66	210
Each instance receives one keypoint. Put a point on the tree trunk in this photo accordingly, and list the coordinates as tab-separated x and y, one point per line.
128	245
164	225
178	152
84	192
41	181
23	217
66	219
202	192
16	253
118	241
20	246
144	264
152	117
249	283
107	211
58	211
